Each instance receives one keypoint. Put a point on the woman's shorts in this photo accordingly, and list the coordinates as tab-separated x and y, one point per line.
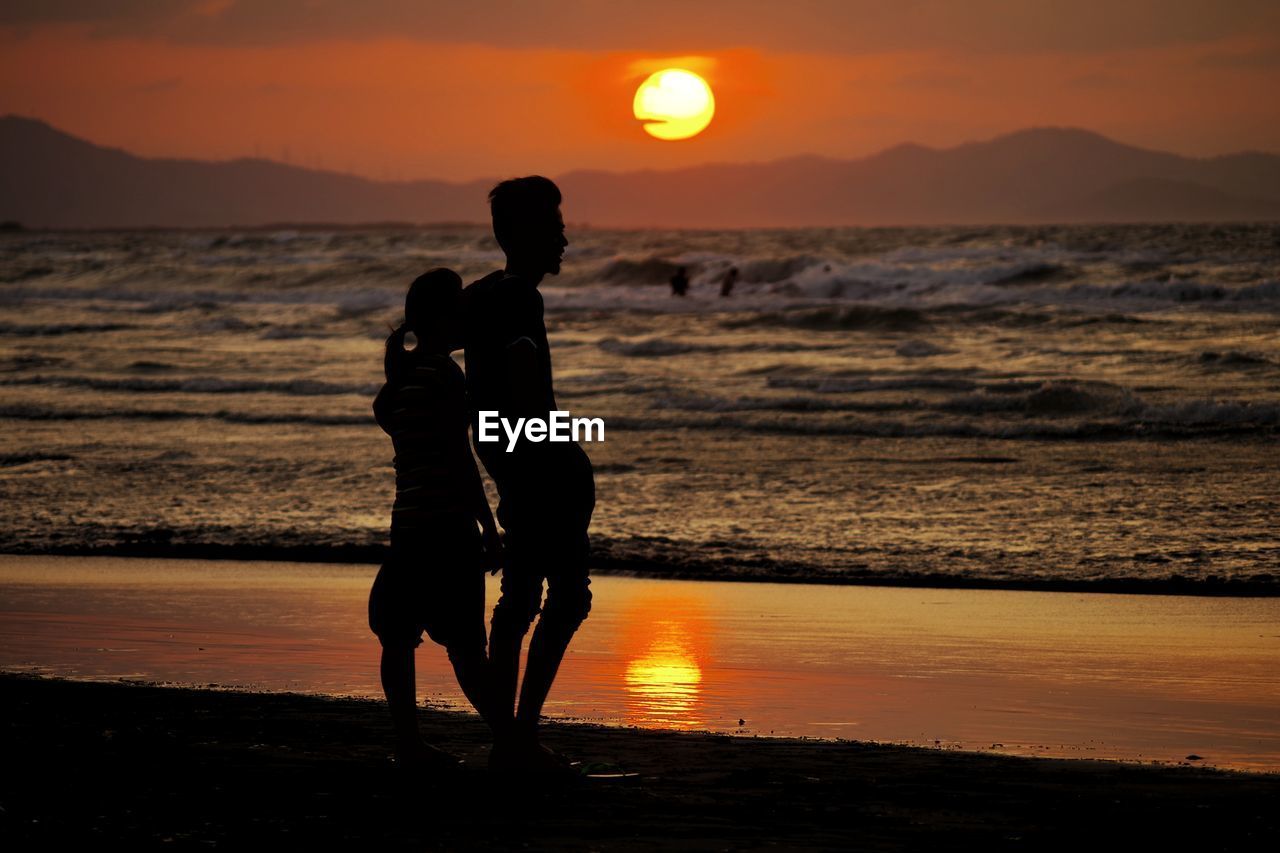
432	581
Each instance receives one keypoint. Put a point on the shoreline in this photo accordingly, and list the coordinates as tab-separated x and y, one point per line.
366	555
215	765
1026	673
464	717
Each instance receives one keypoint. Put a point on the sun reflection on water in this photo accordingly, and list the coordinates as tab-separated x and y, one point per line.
663	675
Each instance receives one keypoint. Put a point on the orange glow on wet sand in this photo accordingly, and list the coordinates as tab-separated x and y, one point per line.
1137	677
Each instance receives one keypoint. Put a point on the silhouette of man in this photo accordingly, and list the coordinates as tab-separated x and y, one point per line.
546	489
680	282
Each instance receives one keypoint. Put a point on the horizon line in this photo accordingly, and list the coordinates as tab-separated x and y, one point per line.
638	171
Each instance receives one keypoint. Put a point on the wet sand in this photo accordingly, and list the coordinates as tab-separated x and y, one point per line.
187	768
1149	678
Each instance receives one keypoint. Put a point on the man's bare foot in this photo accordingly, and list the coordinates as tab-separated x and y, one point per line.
528	756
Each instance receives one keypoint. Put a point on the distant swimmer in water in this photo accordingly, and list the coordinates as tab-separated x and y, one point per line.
727	283
680	282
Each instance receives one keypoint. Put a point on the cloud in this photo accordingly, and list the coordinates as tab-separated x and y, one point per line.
167	84
934	79
807	26
1096	80
1257	57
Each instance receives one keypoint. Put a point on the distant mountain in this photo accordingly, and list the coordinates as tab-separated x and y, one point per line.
50	179
1046	175
1156	200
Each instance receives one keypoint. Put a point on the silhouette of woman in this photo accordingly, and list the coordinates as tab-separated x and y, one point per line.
433	579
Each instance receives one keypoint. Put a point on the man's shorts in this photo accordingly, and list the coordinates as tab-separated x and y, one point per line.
545	513
561	561
432	581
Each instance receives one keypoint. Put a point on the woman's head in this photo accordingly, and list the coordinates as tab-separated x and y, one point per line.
433	312
432	309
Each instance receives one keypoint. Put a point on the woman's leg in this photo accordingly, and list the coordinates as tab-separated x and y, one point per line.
459	613
399	683
395	628
471	668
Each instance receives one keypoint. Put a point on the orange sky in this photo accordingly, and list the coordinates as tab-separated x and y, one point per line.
396	92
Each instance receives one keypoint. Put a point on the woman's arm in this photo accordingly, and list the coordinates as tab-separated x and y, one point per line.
477	503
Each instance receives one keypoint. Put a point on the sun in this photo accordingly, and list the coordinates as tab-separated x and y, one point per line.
674	104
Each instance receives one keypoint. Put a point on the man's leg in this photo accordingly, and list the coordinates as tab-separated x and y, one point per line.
512	615
546	650
567	605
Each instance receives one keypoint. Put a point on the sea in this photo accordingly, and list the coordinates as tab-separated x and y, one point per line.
1084	408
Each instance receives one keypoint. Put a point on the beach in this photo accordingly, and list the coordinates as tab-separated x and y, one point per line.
1138	678
842	426
184	769
1003	496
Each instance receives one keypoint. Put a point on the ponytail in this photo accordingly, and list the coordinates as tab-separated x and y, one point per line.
394	360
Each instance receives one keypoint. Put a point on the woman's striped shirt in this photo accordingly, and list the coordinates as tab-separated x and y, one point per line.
424	410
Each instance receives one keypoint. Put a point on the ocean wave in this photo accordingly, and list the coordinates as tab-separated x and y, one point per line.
836	318
919	349
1174	291
204	385
1056	417
1236	420
933	278
650	347
702	269
1034	273
1037	403
29	360
653	270
599	377
663	557
814	274
362	271
707	403
1067	399
1054	398
298	332
929	276
860	384
55	329
814	299
1210	414
1233	360
33	412
15	460
660	347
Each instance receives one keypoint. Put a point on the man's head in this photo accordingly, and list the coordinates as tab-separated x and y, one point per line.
528	224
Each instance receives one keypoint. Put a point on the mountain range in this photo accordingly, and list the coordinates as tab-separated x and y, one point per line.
50	179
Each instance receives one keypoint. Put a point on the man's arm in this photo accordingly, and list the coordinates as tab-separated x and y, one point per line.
521	311
523	376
